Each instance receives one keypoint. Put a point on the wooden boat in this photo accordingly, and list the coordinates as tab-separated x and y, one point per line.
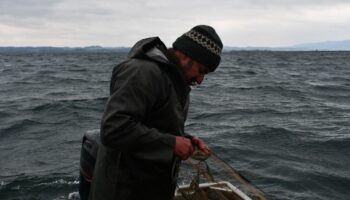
209	178
214	190
214	179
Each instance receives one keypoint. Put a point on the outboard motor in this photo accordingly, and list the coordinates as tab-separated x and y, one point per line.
88	154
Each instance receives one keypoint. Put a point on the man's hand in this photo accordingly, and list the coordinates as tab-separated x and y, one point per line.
201	146
183	147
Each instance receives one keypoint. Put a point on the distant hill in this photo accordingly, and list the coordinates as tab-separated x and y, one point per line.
91	49
229	49
98	49
329	45
319	46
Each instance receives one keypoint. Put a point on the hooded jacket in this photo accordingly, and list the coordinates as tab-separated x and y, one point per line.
146	109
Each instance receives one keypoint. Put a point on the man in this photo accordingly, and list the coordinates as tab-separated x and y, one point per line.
142	128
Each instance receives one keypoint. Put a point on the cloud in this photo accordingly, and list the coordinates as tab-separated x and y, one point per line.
121	23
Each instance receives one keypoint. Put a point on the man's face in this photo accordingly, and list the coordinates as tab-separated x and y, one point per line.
194	71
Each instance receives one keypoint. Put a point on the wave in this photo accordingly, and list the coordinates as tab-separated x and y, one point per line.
17	127
38	187
65	104
341	144
332	88
69	80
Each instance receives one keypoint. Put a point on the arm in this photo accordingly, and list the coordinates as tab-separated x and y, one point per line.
136	91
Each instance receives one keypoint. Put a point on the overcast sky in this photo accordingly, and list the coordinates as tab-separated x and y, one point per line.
114	23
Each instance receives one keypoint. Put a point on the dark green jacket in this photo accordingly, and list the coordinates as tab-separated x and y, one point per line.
146	109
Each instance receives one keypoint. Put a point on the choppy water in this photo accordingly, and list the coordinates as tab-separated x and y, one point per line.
282	119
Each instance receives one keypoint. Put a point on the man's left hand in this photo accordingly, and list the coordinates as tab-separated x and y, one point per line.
197	142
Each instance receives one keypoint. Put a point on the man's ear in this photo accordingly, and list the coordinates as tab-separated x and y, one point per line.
182	57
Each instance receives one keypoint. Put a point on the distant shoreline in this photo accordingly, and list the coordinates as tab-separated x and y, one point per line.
98	49
94	49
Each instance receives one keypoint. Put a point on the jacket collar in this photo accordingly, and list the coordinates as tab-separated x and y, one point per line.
153	49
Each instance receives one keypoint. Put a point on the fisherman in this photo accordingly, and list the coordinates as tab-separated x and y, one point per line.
142	127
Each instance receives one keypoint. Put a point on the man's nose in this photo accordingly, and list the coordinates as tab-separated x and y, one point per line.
200	79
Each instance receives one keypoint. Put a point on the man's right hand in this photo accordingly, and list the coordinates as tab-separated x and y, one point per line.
183	147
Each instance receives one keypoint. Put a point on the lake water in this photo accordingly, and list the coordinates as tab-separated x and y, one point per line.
282	119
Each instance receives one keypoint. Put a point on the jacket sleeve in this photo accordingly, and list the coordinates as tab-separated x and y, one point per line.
135	92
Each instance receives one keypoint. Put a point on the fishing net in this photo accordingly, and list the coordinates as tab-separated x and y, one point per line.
211	178
200	177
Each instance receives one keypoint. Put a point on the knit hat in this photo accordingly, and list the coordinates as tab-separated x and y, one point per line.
202	44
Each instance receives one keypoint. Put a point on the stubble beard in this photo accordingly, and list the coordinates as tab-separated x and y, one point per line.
187	68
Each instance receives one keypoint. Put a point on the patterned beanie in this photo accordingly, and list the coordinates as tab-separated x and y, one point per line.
202	44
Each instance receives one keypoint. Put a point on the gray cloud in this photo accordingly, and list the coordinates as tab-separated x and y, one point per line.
26	8
121	23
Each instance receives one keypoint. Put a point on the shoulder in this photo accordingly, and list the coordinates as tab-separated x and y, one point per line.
145	67
136	72
138	67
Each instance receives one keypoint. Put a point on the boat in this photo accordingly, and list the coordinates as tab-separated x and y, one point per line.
200	178
212	178
211	190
